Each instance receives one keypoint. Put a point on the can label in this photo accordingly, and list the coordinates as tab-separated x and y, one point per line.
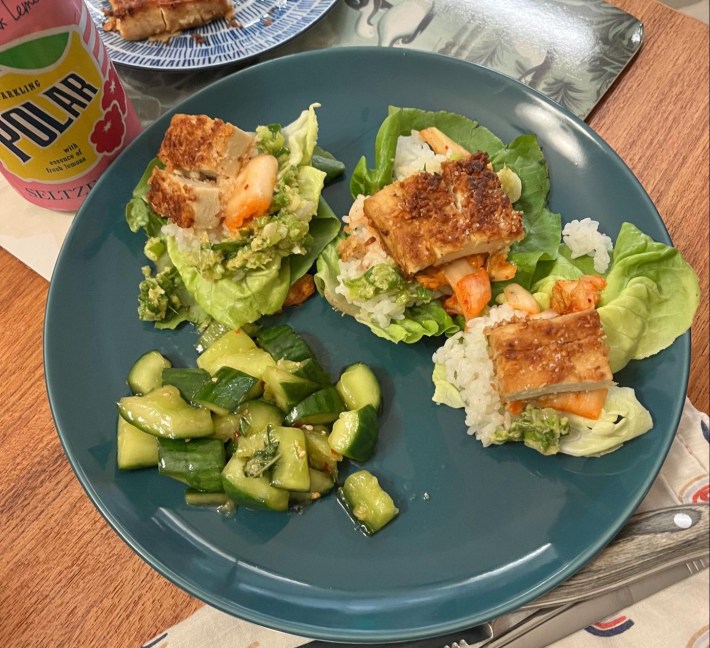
64	114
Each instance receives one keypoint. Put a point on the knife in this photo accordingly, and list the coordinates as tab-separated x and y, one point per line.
573	617
649	542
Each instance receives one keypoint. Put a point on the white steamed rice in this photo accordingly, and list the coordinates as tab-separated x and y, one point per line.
187	238
583	237
470	369
414	155
383	308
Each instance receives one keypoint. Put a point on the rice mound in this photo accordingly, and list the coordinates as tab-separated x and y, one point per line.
382	308
414	155
583	237
469	368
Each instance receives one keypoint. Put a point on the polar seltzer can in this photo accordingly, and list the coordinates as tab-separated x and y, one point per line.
64	115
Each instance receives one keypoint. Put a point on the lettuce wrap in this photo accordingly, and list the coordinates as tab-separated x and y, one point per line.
237	277
650	298
424	314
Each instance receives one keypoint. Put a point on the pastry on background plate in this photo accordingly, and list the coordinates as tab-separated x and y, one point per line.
139	19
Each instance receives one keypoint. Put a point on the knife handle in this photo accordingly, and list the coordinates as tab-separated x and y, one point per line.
650	542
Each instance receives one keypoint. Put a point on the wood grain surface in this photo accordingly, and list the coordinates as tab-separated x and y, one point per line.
68	580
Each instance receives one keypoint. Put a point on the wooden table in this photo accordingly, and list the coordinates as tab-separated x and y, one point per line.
69	580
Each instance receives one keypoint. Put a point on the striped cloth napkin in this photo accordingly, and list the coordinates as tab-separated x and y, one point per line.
676	617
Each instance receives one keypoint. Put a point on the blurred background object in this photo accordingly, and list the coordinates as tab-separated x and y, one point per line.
699	9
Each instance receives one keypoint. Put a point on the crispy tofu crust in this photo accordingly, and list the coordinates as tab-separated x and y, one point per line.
433	218
139	19
200	144
185	201
536	357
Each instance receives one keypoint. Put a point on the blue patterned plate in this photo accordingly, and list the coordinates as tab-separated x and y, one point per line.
259	26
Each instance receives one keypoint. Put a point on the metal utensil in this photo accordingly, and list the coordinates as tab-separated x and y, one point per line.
564	620
649	544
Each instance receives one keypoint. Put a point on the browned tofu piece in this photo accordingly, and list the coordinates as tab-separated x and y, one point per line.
139	19
188	202
536	357
433	218
201	145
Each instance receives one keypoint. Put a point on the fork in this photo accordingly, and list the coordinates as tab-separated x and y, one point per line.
507	628
650	542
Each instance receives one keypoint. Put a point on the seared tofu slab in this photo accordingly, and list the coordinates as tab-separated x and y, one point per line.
139	19
186	201
537	357
433	218
200	144
202	159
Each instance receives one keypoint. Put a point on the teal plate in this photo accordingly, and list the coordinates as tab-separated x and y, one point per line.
481	531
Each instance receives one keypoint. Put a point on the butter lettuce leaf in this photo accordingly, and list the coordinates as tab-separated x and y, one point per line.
420	321
301	136
234	303
402	121
650	298
322	229
622	419
139	214
444	392
523	155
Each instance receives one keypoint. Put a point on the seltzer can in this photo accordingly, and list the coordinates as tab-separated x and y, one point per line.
64	114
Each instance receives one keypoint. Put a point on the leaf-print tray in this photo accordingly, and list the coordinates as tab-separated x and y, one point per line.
571	50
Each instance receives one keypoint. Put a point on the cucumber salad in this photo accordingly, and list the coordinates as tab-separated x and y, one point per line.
258	422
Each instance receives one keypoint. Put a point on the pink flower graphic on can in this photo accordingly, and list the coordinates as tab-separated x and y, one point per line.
108	132
113	91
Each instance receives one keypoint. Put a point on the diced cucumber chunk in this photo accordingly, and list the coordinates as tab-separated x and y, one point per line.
254	362
358	386
201	498
188	381
285	389
308	369
282	341
231	343
290	471
257	415
248	446
321	484
321	456
228	389
355	433
367	501
252	492
225	427
214	331
135	448
164	413
147	372
323	406
195	462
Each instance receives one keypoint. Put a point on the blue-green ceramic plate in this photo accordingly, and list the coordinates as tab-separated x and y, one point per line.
481	531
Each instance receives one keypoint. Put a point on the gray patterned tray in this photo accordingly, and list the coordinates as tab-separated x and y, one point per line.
571	50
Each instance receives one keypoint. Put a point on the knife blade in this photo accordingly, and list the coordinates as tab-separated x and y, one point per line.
580	615
649	542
